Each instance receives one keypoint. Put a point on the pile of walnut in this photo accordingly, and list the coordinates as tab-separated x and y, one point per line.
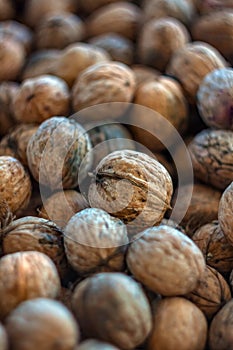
105	269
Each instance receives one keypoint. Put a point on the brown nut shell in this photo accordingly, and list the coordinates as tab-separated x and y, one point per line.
12	58
6	10
225	213
7	91
6	215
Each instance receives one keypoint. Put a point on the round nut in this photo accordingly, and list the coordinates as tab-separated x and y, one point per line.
225	213
166	261
6	10
125	327
7	91
206	6
92	344
12	58
17	31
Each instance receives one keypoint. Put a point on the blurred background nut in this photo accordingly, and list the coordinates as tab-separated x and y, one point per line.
166	261
206	6
177	324
42	323
19	32
125	327
4	339
7	91
15	184
6	10
225	213
40	98
95	242
26	275
92	344
89	6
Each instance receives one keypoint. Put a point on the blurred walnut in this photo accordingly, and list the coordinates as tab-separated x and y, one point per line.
207	6
225	213
89	6
92	344
144	73
7	91
11	59
126	326
26	275
4	343
58	30
17	31
42	324
7	10
178	324
41	98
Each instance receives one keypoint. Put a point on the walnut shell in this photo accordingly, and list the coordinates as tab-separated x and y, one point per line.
166	261
12	58
15	143
225	213
41	98
132	186
216	249
42	323
191	63
95	242
207	6
7	91
6	10
26	275
125	327
6	215
15	183
211	153
92	344
178	324
17	31
55	153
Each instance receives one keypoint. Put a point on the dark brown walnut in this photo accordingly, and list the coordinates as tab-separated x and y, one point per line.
15	183
17	31
124	322
58	30
95	242
202	209
207	6
15	143
119	48
132	186
151	49
225	213
121	17
92	344
220	332
166	261
211	153
62	205
7	10
6	215
191	63
7	91
77	57
89	6
55	153
215	247
32	233
12	58
41	98
211	293
144	73
24	276
178	324
42	324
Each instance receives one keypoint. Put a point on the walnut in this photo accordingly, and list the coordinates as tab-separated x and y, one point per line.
7	91
7	10
225	213
90	5
55	153
207	6
26	275
15	143
151	48
211	155
94	303
15	184
215	247
191	63
119	48
41	98
166	261
132	186
121	17
178	324
6	216
95	242
58	30
12	58
3	338
42	323
144	73
92	344
62	205
18	32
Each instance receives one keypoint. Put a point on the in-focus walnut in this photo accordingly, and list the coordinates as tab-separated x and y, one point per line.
178	324
7	10
211	154
6	216
144	73
166	261
12	58
92	344
62	205
15	183
7	91
119	48
58	30
94	304
41	98
121	17
4	344
17	31
104	83
202	209
151	48
55	153
95	242
211	293
15	143
215	247
191	63
225	213
42	324
26	275
77	57
132	186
